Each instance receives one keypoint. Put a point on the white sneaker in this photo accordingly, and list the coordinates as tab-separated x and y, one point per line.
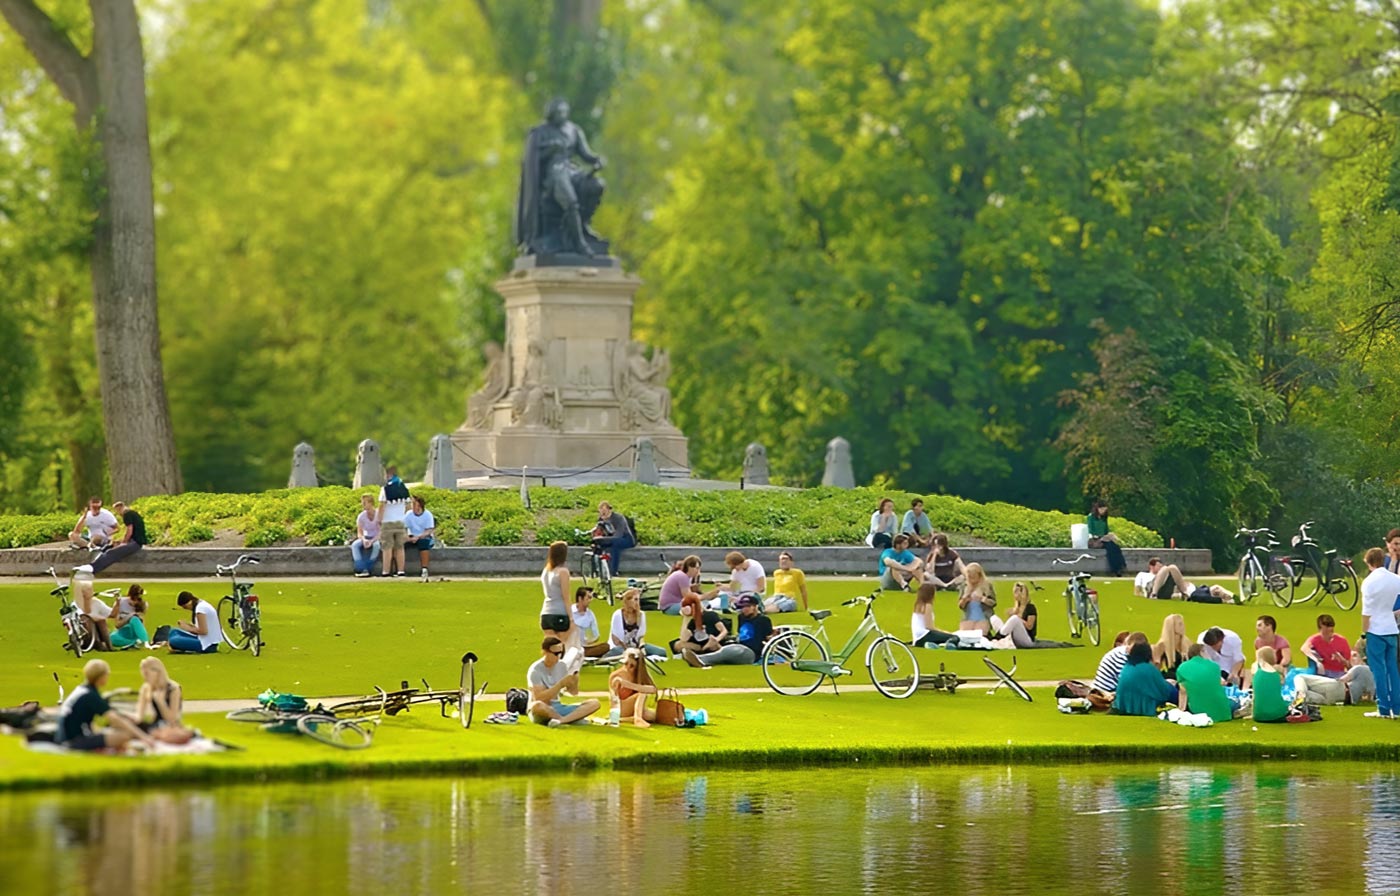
424	576
556	723
1375	715
86	567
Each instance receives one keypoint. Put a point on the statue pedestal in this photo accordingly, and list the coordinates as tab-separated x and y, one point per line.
575	391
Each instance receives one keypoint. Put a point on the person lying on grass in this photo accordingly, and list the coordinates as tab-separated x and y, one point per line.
548	677
631	684
86	706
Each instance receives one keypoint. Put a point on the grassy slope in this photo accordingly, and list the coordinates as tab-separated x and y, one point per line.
343	636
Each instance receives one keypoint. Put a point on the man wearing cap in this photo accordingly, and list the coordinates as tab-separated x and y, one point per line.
754	630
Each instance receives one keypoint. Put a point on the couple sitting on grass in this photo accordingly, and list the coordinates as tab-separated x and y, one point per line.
157	717
556	672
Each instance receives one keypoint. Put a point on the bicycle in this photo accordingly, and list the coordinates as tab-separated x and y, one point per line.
797	659
80	636
288	714
1259	566
1330	574
1081	601
594	569
240	618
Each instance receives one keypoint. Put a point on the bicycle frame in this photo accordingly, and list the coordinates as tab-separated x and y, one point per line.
835	666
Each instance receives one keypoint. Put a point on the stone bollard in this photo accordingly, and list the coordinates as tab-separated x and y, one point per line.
303	467
838	464
756	464
369	469
440	473
644	462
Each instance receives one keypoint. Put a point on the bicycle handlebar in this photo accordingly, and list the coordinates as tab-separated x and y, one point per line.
866	599
1057	561
242	559
1247	532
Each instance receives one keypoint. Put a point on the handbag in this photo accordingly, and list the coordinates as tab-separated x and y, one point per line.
669	709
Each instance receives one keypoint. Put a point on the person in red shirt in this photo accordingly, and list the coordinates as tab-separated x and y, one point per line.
1328	653
1265	627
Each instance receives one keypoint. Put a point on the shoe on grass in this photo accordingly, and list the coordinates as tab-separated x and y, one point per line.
692	658
1377	714
556	723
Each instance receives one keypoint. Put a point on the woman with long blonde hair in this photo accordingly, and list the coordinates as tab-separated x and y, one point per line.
1018	630
1170	650
160	703
978	599
630	684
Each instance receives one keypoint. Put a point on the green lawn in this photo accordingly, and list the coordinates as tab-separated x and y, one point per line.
345	636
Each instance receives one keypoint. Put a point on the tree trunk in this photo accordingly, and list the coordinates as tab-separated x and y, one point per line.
108	92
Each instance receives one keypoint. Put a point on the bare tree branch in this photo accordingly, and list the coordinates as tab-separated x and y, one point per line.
70	70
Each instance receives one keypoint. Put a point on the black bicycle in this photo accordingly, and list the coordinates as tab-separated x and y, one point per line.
594	568
1261	569
1319	572
239	614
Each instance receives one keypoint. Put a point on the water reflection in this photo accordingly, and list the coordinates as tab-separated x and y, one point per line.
1130	829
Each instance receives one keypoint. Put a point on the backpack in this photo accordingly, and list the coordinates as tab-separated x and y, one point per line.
517	700
395	490
632	524
1098	700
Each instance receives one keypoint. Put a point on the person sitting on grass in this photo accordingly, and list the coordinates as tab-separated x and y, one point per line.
916	524
629	628
96	611
883	525
1201	688
681	582
631	684
1267	687
586	624
1264	628
898	565
1357	685
85	706
1112	663
921	622
977	601
160	704
1328	653
943	568
746	576
754	631
702	630
202	633
1170	651
789	586
1018	629
1226	649
1141	688
549	676
364	550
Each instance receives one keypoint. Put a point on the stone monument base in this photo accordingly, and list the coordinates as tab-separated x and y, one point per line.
548	452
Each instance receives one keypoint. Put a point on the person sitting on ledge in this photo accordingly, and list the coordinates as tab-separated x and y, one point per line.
364	550
916	524
612	533
883	524
1101	537
419	527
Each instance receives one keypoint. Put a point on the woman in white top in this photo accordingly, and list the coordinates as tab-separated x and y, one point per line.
365	548
554	614
629	628
202	633
883	525
921	622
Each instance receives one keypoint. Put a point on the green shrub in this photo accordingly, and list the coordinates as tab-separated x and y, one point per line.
497	534
266	536
192	532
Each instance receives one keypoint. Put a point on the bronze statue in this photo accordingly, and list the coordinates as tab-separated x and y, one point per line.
557	198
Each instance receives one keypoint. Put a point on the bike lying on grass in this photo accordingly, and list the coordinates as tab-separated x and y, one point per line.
798	658
351	723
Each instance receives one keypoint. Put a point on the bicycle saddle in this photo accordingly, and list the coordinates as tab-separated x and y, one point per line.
819	615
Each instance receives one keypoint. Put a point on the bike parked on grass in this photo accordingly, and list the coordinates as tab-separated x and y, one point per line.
1260	569
1082	602
798	658
1318	572
79	634
239	614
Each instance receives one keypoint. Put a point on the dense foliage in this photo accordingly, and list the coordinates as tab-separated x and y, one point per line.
1014	251
326	516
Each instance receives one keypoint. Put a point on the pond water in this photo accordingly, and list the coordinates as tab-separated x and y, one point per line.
1272	829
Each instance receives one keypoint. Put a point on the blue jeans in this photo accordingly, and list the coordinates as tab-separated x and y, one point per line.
358	549
615	545
184	642
1380	656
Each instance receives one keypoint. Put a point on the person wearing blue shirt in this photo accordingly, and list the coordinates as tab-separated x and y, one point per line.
898	565
754	631
419	527
916	524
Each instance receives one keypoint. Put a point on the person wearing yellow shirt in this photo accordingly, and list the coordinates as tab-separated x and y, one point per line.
789	586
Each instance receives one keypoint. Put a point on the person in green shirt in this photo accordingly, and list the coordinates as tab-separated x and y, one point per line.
1101	537
1269	705
1201	690
1141	687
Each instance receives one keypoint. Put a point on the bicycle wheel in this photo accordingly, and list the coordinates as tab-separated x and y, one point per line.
1069	612
1341	581
1250	577
255	643
87	633
466	690
1278	575
231	623
252	714
337	732
75	640
892	667
783	664
1305	583
1091	619
1007	680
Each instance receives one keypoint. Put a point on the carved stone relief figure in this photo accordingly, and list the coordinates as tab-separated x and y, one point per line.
492	390
641	385
536	402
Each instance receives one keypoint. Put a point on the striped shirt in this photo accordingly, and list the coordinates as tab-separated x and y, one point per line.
1106	679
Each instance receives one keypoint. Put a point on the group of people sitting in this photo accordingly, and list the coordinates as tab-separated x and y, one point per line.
1209	675
156	718
397	523
121	625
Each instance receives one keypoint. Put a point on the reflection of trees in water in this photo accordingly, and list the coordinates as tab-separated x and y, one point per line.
1008	830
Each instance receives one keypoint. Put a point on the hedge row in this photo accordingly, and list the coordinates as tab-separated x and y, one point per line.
326	516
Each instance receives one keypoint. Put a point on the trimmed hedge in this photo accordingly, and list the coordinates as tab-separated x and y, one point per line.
326	516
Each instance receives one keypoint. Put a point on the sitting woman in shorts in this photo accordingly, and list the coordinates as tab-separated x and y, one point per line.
978	599
1018	629
702	631
202	633
630	684
921	622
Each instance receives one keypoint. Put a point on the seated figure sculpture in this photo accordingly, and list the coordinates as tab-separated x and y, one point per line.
557	198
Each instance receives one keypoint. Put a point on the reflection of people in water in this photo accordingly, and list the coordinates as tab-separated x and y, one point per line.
548	176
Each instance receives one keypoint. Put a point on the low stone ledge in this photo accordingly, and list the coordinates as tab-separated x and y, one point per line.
642	562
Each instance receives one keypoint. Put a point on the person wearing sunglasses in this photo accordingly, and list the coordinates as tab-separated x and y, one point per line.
549	676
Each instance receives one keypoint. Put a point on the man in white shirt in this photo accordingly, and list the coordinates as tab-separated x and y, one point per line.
393	534
745	577
1226	649
1143	581
94	527
1378	594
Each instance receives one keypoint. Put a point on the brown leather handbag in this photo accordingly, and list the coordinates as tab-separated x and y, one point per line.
669	709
